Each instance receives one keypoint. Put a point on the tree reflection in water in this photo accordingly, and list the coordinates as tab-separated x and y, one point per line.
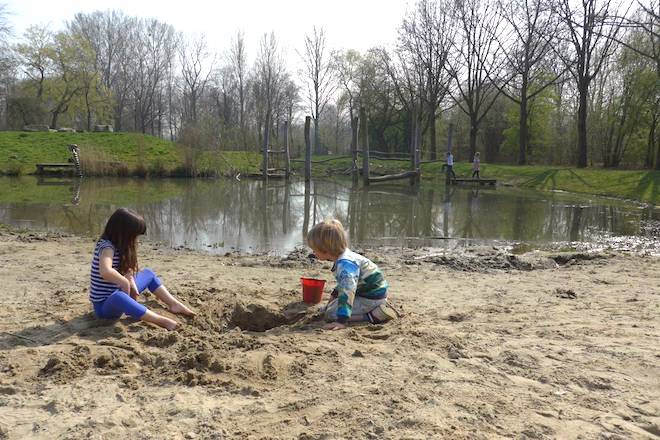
255	216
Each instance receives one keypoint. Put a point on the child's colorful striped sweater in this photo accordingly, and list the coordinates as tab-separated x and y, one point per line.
356	275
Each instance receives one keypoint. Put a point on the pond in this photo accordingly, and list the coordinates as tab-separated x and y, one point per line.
252	216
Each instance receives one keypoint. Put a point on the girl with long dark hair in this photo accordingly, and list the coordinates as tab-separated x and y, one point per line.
116	280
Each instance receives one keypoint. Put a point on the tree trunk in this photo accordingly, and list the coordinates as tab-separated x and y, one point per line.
317	147
474	128
266	146
308	157
434	144
523	130
583	88
657	154
89	111
648	162
53	120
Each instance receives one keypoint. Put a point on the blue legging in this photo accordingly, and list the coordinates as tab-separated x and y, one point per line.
121	302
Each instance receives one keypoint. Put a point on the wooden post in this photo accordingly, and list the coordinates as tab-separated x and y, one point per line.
413	145
364	143
287	158
449	136
306	211
418	155
354	145
266	142
308	150
450	132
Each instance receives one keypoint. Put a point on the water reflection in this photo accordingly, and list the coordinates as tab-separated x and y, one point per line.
255	216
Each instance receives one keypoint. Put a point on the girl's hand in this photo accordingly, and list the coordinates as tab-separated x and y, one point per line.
132	290
335	326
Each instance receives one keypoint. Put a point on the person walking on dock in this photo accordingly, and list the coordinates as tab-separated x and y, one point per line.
450	165
476	164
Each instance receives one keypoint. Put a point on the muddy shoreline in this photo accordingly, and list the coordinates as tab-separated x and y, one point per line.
491	345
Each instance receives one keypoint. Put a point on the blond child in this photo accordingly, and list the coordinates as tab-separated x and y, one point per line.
361	292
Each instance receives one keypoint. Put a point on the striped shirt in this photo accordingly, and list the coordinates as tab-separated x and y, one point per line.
101	289
356	275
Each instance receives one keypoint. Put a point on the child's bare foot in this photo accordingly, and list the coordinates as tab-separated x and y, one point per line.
169	324
180	309
159	320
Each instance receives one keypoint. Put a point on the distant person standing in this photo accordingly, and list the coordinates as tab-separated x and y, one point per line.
450	165
476	165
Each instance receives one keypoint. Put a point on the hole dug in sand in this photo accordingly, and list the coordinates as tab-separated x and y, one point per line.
258	318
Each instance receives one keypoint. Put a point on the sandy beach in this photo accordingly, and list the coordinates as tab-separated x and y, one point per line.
490	345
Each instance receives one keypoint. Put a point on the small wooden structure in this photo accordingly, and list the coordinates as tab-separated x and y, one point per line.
481	182
42	168
72	165
268	168
415	155
360	146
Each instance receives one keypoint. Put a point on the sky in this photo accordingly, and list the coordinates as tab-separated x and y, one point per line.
348	24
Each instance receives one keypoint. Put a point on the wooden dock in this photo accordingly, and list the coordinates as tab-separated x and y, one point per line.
43	167
482	182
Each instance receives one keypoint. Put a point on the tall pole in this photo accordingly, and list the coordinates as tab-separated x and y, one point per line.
287	158
413	144
354	146
449	140
364	143
308	150
449	136
266	142
418	155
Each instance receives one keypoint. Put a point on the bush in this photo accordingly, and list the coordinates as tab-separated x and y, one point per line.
140	171
157	169
122	170
182	171
14	169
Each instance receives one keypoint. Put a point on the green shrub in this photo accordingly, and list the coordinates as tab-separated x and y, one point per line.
122	170
140	170
157	169
14	169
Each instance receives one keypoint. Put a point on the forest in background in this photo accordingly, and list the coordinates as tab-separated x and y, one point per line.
523	82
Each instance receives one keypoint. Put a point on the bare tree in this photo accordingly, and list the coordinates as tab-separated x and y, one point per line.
196	67
427	35
348	67
270	74
238	63
34	55
150	54
526	50
591	28
319	78
69	60
406	75
647	21
7	62
107	32
474	61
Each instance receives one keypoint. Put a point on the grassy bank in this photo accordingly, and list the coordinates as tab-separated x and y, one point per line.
133	154
642	185
121	154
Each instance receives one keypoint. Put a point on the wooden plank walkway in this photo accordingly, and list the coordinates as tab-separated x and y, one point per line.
482	182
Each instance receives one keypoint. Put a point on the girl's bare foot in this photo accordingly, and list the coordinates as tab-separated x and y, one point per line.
162	321
169	324
180	309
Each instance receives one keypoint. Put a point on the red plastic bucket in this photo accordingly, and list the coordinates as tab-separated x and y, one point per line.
312	290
